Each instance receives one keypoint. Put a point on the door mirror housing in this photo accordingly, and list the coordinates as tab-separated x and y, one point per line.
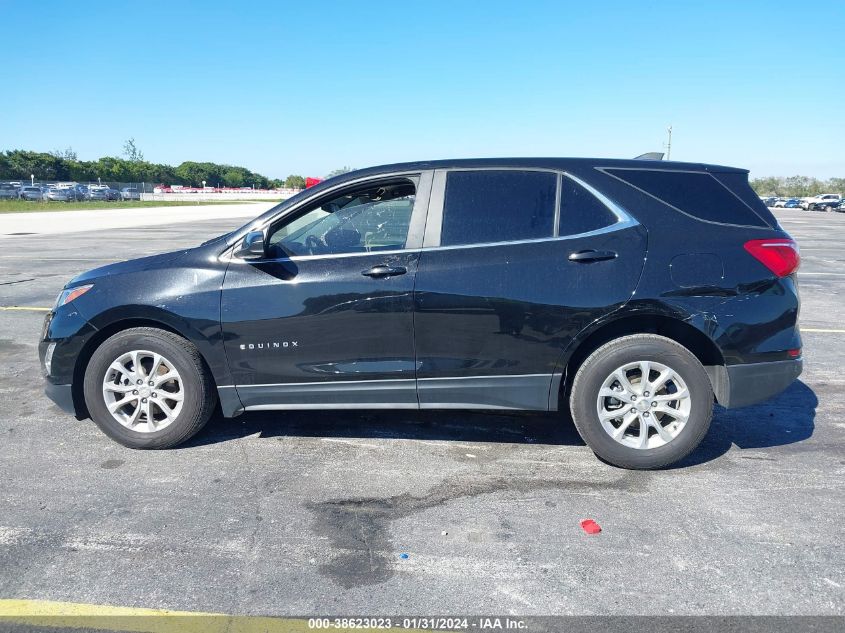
252	246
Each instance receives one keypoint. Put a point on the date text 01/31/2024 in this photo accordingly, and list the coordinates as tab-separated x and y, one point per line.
424	623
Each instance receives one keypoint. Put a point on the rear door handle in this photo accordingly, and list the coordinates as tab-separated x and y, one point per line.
591	256
383	270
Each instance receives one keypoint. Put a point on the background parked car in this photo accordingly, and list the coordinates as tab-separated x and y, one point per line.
130	193
30	192
97	192
112	194
821	202
792	203
59	194
81	191
9	191
825	202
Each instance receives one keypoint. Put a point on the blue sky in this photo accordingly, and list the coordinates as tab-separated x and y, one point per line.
307	87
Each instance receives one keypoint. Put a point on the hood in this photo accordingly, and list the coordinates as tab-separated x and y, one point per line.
129	266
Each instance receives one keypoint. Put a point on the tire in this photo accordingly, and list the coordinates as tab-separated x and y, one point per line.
659	352
189	396
828	208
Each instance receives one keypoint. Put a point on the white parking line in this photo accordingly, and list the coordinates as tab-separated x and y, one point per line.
26	308
808	273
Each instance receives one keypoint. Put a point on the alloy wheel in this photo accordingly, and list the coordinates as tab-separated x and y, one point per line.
143	391
643	404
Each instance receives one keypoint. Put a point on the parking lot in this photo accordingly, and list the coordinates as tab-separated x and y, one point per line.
309	512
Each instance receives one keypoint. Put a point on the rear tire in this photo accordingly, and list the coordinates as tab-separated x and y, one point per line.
173	400
612	418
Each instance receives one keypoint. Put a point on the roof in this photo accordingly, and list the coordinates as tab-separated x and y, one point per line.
533	163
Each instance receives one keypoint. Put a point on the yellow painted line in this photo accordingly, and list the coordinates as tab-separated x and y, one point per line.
73	615
26	308
822	330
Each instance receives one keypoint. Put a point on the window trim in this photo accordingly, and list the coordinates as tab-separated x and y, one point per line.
438	196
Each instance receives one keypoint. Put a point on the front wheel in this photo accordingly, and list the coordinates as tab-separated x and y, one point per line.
642	401
148	388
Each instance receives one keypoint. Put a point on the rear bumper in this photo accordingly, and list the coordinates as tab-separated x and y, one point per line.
62	395
751	383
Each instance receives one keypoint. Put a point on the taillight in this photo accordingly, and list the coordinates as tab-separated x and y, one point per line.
779	255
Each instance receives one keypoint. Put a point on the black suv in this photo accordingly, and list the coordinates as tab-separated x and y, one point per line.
632	293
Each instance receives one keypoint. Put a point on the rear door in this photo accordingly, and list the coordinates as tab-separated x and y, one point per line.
515	263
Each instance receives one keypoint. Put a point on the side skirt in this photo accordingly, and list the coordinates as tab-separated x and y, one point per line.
520	392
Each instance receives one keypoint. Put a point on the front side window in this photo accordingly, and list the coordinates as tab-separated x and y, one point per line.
375	217
497	206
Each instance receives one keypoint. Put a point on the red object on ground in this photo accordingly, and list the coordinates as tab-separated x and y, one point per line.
590	526
310	182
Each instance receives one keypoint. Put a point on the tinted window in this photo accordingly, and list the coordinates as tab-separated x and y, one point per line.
737	182
497	206
581	211
697	194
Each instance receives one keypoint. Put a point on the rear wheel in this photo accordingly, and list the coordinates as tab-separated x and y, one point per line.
642	401
148	388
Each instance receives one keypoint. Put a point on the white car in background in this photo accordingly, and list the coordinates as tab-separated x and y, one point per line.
822	202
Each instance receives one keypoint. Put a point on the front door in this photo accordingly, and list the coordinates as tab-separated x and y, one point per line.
515	263
327	318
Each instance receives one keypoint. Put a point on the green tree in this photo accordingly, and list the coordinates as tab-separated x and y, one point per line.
295	182
234	178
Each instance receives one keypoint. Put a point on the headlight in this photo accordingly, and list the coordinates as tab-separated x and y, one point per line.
69	294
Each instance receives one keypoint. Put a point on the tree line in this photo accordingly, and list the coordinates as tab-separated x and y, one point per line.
796	186
65	166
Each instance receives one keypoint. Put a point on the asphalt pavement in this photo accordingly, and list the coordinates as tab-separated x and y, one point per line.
296	513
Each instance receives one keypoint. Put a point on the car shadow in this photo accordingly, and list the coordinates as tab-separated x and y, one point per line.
786	419
460	426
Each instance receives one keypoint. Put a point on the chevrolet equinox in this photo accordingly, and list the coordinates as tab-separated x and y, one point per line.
632	293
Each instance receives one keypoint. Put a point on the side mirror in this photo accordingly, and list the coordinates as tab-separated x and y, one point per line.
252	247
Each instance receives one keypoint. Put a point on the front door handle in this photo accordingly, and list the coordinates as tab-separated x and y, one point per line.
591	256
383	270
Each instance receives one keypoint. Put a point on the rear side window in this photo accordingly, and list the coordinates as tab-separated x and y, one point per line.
581	211
695	193
497	206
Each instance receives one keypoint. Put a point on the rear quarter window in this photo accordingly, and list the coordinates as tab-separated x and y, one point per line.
698	194
581	211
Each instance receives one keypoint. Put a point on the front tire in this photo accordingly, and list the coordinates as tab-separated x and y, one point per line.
642	401
148	388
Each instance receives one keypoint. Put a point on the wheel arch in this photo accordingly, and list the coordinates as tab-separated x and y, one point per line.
101	335
696	341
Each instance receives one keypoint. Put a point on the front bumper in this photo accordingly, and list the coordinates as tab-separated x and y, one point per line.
751	383
62	395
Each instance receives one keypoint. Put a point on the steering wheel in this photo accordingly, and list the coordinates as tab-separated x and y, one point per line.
313	244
